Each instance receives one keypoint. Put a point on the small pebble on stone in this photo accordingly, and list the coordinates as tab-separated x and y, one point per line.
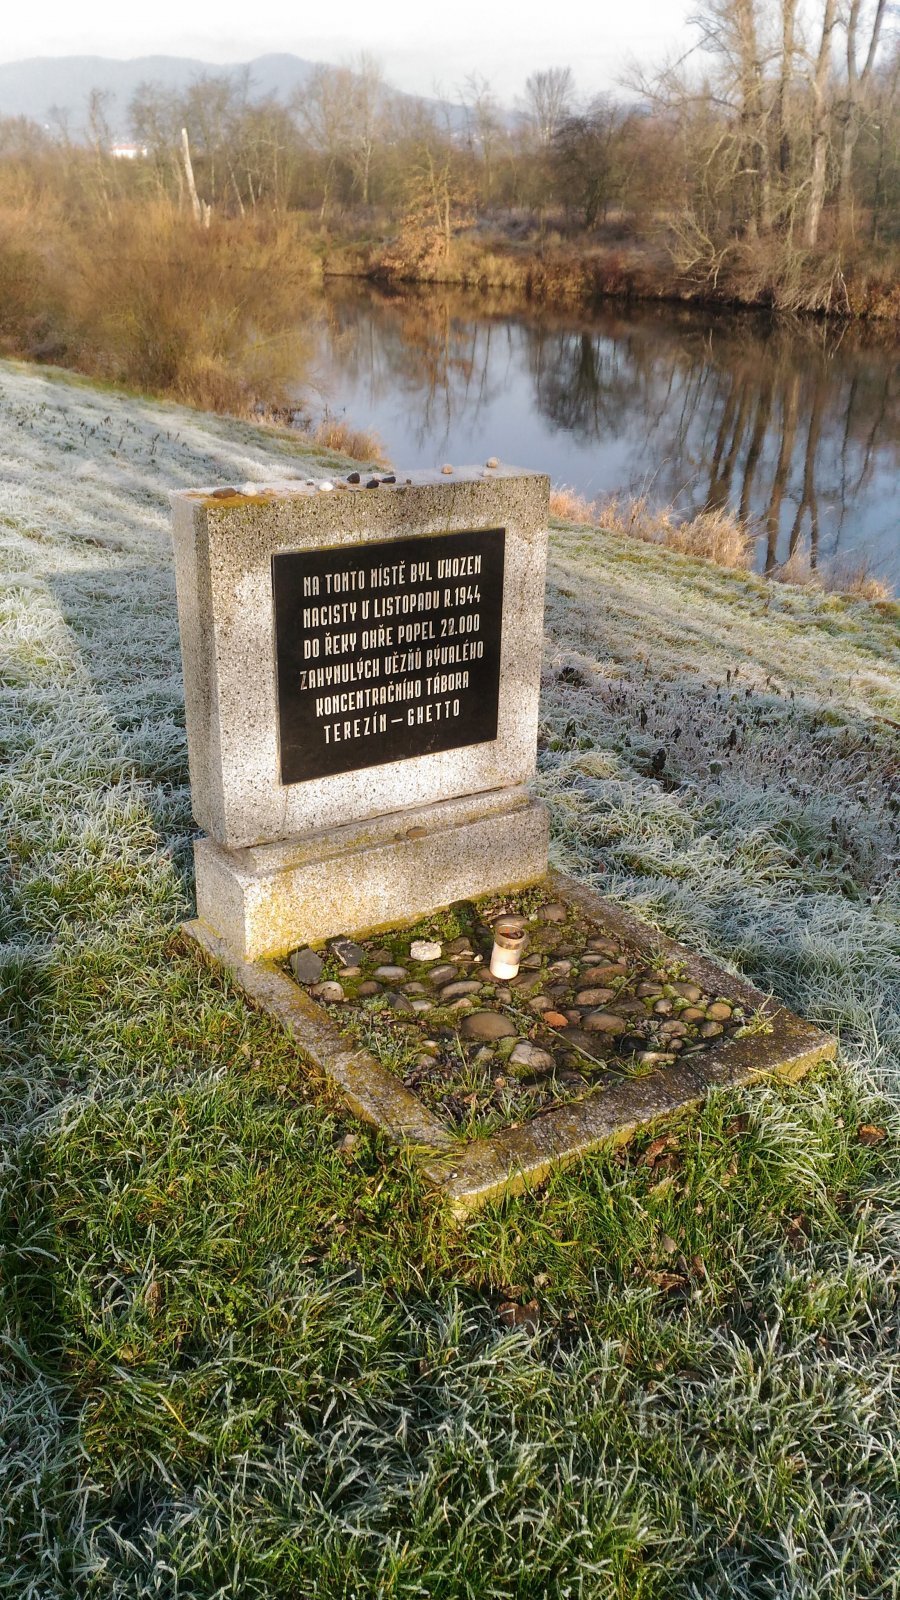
424	950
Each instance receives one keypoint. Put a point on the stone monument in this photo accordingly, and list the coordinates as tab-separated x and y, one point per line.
362	667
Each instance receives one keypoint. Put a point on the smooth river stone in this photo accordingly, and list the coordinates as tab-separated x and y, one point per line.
391	974
594	997
606	973
439	975
718	1011
688	991
556	912
328	991
487	1025
397	1001
604	1022
530	1055
454	991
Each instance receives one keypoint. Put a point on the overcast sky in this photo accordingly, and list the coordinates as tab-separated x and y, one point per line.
423	46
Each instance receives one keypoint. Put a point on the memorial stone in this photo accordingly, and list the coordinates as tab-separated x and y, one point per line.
362	670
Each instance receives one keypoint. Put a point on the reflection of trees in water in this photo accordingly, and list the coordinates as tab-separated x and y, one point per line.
783	423
448	365
787	423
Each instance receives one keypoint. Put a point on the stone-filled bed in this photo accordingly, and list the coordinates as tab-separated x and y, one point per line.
484	1053
608	1027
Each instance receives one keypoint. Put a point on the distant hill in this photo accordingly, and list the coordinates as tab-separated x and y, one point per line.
44	85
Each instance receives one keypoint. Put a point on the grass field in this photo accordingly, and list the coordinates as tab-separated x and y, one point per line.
242	1353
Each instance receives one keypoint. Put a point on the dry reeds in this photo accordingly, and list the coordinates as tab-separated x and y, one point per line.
718	536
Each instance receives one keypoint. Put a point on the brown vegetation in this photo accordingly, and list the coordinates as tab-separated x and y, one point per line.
773	179
716	535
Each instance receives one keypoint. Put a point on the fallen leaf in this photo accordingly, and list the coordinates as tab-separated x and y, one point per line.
513	1315
656	1148
666	1280
798	1231
869	1133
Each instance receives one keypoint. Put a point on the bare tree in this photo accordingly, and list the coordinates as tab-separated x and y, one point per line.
858	78
548	99
819	140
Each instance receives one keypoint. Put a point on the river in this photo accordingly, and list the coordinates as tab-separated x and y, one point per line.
796	425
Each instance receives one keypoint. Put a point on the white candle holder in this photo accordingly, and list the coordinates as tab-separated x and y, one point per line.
509	947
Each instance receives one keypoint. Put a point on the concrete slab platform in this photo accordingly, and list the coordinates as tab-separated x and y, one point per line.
469	1173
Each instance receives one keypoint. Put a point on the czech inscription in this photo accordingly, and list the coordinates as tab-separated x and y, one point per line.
386	651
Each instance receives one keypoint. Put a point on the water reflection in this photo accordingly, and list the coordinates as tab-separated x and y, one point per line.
794	425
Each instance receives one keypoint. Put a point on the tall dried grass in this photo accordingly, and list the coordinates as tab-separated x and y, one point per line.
852	576
138	295
718	536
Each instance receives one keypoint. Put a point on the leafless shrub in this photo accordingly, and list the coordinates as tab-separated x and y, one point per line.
363	444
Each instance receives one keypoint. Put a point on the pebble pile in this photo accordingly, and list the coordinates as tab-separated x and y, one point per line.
484	1053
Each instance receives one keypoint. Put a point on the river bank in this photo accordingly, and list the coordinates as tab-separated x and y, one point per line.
549	270
244	1355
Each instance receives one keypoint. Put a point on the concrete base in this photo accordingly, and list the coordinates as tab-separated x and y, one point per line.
520	1156
267	899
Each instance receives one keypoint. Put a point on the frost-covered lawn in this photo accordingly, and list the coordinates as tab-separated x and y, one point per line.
241	1354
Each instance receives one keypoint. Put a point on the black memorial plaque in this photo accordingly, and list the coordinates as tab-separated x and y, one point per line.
386	651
